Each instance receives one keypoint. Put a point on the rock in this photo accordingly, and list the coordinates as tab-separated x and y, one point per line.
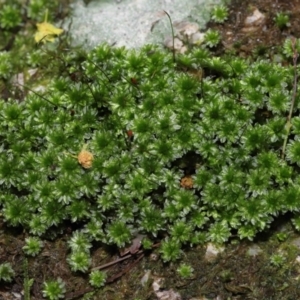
168	295
257	18
178	45
133	23
157	283
197	38
146	277
19	80
254	22
254	250
184	30
164	294
212	251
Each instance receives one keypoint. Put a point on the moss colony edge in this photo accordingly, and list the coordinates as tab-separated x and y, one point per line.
149	122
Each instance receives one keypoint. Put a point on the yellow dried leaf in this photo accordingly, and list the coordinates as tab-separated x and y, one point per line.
46	31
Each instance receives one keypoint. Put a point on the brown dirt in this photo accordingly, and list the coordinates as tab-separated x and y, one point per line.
268	36
233	275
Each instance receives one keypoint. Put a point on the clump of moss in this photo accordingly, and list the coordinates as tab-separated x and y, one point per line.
123	142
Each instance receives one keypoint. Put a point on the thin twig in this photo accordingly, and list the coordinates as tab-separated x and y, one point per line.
115	261
173	36
122	258
39	95
116	276
289	119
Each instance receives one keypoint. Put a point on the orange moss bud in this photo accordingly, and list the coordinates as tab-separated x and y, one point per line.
187	182
85	158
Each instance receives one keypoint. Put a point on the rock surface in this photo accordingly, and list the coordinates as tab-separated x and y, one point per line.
133	22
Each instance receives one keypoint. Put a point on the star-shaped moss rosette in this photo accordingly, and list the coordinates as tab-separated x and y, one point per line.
46	32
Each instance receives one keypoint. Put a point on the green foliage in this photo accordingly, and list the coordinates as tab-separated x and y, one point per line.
6	65
282	236
27	282
118	233
6	272
97	278
185	271
79	261
54	289
18	55
148	125
79	258
288	46
296	222
212	38
10	16
277	260
36	9
79	242
170	250
282	20
32	246
219	13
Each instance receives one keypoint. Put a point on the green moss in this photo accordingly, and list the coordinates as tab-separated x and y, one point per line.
148	125
165	123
